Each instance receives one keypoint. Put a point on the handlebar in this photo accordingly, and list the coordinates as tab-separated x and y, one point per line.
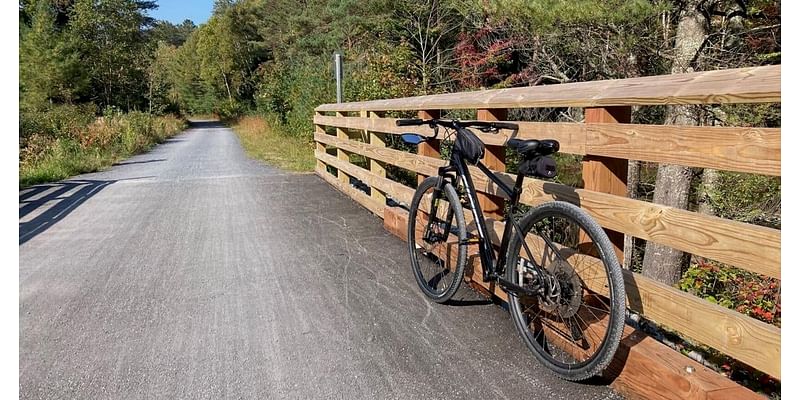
455	124
409	122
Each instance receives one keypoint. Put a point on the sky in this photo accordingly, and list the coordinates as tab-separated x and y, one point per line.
176	11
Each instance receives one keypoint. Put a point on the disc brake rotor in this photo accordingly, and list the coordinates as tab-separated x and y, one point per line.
568	292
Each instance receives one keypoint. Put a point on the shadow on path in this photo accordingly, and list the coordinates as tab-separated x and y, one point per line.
139	162
61	199
206	125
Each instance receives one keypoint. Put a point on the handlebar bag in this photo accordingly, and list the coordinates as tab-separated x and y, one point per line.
469	146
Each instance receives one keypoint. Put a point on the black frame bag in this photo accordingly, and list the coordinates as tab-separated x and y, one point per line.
539	166
469	146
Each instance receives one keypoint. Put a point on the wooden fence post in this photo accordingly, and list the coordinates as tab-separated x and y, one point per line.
321	166
607	174
431	148
495	158
375	167
341	154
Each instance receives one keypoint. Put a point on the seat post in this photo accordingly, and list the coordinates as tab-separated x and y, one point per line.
517	188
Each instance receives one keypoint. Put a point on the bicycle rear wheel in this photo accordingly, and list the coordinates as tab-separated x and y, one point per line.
574	328
437	239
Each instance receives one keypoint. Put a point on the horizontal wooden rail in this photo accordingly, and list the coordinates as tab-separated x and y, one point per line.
749	340
743	85
751	150
747	246
606	141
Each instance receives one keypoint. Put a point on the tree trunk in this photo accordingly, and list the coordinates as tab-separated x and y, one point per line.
709	183
228	88
664	263
634	169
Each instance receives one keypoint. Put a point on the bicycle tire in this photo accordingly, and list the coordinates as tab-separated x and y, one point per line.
441	285
573	339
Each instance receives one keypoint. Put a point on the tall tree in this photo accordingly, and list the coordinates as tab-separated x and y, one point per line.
110	36
49	68
664	263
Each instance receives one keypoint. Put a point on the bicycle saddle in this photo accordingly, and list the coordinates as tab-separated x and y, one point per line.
533	147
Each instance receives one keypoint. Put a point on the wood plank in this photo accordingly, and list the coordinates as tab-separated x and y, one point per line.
607	174
747	246
429	148
647	369
749	340
341	154
752	150
396	190
375	166
751	247
494	159
355	194
742	85
319	130
739	149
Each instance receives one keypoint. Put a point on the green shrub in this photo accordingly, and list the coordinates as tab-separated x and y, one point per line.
746	292
67	140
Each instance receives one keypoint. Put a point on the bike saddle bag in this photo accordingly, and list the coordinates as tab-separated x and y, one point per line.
469	146
540	167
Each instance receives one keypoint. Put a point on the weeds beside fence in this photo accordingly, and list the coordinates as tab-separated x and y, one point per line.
262	141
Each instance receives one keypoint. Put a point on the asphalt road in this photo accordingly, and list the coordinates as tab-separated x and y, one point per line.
193	272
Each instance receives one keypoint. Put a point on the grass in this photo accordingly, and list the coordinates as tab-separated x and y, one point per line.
49	155
262	142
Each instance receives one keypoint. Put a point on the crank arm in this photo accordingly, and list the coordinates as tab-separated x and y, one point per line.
512	287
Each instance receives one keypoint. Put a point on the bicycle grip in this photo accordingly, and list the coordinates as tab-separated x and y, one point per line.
408	122
505	125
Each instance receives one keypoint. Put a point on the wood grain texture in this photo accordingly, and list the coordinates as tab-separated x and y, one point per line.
735	334
751	247
494	159
376	167
749	150
752	150
746	246
319	130
341	154
742	85
607	174
431	147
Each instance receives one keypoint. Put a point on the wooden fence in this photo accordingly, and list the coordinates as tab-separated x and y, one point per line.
606	140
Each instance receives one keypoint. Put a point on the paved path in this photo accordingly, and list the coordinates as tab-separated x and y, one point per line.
193	272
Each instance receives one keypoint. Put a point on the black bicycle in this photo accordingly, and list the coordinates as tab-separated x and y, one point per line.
564	283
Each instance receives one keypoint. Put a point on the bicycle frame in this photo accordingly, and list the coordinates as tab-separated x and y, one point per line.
493	266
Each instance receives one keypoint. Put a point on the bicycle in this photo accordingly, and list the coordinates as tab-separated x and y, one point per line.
568	301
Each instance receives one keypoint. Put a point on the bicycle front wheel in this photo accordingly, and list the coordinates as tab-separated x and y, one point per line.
574	326
437	239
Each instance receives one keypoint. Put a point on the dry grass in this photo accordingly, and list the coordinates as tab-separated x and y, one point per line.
51	152
262	142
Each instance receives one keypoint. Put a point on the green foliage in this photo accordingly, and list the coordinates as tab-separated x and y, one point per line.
262	142
171	34
546	16
63	141
110	37
734	288
748	198
49	68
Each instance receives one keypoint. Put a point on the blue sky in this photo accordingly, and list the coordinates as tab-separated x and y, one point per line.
176	11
